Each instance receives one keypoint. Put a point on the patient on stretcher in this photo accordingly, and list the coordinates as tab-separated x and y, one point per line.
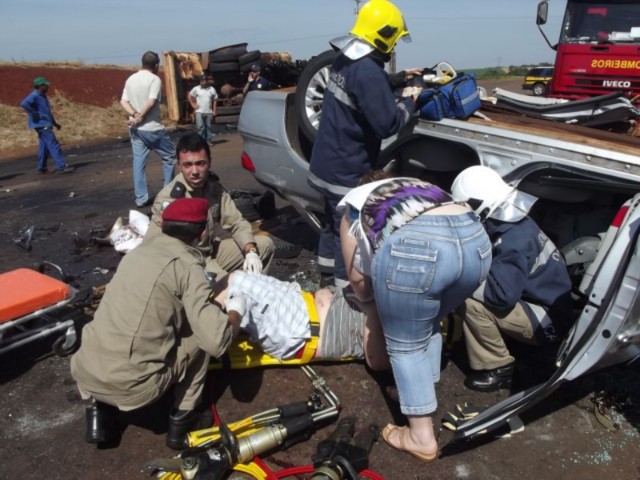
283	319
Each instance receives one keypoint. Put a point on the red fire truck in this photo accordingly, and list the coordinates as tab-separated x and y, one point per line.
599	48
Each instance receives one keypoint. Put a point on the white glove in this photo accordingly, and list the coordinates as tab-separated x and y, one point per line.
237	303
413	92
252	263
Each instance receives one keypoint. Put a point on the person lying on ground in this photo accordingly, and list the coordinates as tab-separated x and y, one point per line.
278	316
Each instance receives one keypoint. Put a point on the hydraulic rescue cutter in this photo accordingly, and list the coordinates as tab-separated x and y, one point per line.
214	452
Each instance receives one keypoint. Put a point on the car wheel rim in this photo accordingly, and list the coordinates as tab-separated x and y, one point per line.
314	96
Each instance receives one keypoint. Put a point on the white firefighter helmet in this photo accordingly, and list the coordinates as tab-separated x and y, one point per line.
490	196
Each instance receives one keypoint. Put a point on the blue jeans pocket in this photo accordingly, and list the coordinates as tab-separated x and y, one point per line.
485	259
412	266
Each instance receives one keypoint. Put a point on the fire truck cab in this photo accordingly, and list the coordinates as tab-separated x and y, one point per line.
598	50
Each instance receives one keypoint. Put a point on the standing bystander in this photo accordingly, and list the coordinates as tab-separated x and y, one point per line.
203	100
141	100
36	104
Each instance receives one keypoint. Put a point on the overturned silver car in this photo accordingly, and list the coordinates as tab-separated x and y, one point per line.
587	182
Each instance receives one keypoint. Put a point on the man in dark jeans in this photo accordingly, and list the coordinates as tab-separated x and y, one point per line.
36	104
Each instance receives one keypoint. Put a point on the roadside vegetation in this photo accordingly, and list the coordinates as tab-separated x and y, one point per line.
80	123
505	73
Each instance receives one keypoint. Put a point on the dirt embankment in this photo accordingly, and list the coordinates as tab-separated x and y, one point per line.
99	86
84	100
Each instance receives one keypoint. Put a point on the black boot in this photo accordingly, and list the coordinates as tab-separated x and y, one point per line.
491	380
181	422
326	279
101	422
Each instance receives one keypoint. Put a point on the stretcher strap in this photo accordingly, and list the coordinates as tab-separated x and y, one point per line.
310	348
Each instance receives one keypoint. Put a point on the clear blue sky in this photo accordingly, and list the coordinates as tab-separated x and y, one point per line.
465	33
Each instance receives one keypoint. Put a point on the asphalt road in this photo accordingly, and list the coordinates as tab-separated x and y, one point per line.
42	418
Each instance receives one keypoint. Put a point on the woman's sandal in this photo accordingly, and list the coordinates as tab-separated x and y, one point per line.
386	434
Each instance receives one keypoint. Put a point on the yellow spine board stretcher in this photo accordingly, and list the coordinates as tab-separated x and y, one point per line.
244	354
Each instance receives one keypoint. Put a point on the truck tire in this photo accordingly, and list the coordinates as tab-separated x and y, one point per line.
310	93
249	58
224	67
245	68
229	53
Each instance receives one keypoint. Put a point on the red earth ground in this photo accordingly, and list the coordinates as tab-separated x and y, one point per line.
94	86
42	417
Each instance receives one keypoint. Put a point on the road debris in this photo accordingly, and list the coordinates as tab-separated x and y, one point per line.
25	238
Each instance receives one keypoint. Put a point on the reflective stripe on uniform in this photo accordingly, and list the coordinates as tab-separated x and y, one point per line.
335	189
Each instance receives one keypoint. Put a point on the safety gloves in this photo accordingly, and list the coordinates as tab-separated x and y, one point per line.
252	262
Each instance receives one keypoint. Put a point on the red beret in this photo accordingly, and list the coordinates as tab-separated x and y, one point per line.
191	210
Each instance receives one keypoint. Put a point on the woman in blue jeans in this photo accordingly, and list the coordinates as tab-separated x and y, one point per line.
419	254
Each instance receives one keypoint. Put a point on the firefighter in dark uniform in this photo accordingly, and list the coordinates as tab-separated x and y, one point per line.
195	180
527	294
359	110
155	328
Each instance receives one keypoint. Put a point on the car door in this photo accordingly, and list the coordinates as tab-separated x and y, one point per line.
607	331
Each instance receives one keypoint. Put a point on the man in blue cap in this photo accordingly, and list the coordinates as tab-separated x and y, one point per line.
255	81
40	118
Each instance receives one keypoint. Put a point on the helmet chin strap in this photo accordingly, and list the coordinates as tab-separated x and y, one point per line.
385	57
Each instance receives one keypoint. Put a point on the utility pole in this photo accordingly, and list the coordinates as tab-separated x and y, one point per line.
392	62
357	9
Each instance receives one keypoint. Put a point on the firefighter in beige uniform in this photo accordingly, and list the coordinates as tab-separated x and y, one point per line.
243	250
156	327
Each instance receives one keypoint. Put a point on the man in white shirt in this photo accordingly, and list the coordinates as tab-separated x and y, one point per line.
203	100
141	100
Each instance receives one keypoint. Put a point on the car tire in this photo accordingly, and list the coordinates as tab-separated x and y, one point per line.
310	93
539	89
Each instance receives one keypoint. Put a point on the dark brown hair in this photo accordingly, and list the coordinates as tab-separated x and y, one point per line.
374	176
